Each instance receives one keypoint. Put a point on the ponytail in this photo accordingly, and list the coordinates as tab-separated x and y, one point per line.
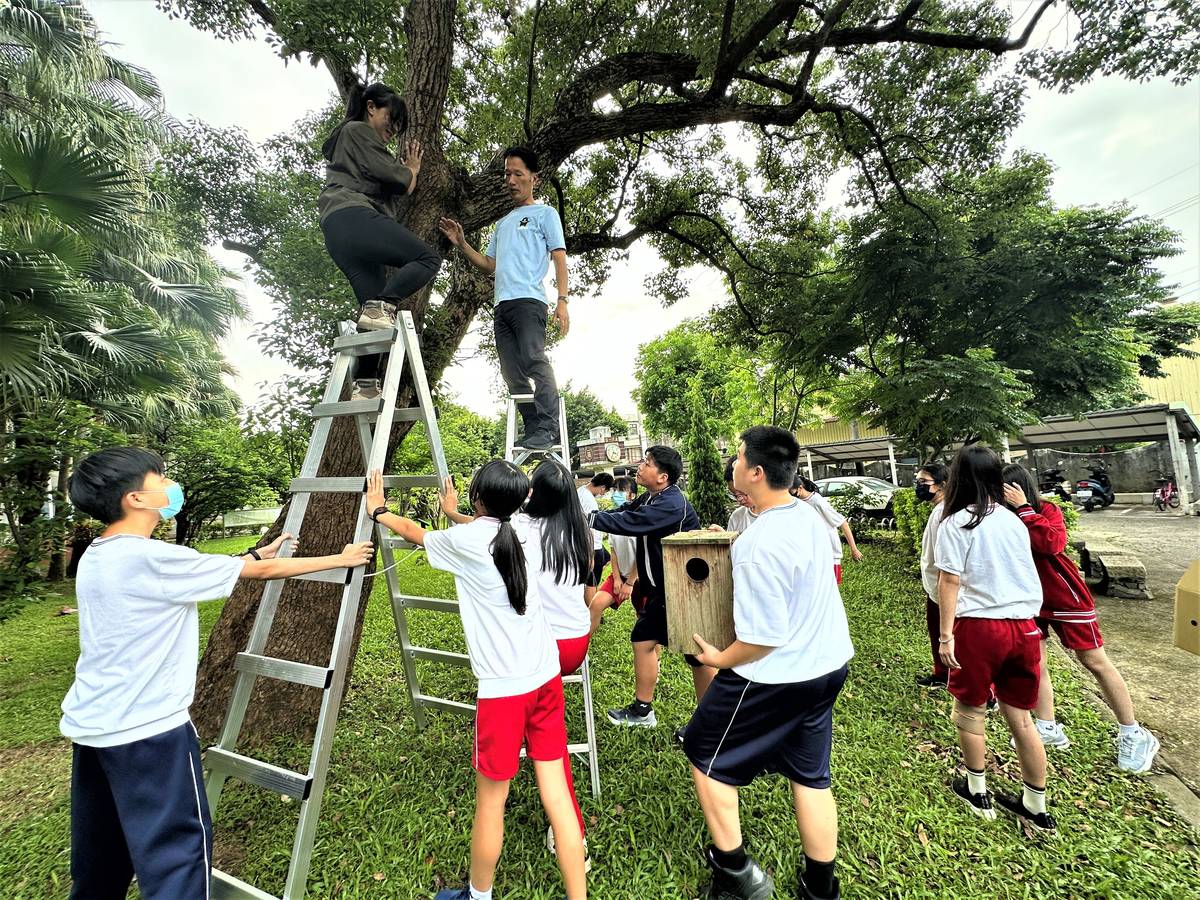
500	487
356	111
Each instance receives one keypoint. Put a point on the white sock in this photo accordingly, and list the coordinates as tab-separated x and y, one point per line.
1131	729
477	894
1034	800
1047	725
976	782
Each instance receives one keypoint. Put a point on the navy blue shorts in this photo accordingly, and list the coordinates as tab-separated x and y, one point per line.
742	729
651	625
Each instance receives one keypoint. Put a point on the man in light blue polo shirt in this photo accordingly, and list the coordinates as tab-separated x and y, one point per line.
519	255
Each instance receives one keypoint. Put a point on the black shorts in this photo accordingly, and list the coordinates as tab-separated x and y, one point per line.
600	559
741	729
651	625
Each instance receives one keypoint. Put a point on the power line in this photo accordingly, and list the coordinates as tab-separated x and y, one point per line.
1177	206
1164	180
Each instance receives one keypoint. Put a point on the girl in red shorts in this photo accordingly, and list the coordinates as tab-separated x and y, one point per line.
1068	608
988	595
495	561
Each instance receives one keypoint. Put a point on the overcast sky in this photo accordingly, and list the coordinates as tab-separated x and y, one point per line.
1110	140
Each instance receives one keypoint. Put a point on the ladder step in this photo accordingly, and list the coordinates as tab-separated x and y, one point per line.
329	576
225	887
347	408
580	749
448	705
573	679
522	398
398	543
408	414
408	601
284	670
367	343
443	656
253	771
357	484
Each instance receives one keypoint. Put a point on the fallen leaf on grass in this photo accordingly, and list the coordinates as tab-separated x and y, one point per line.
922	836
379	876
864	800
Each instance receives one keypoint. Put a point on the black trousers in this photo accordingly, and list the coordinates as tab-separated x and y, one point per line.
365	243
521	345
140	808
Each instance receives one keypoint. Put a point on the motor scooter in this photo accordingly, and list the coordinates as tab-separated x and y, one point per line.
1095	490
1053	481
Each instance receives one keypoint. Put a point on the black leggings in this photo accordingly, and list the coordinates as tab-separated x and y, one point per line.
363	243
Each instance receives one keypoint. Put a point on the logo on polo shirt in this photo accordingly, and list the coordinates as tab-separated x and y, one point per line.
524	222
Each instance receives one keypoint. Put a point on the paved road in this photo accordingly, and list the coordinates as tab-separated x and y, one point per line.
1139	634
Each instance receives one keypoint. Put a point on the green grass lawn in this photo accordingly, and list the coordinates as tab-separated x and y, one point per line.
398	807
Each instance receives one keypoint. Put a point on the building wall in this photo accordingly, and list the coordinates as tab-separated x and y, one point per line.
835	430
1180	385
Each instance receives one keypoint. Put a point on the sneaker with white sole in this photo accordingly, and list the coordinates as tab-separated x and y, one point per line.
1135	752
367	389
1014	804
749	882
980	804
553	848
377	315
629	716
1052	738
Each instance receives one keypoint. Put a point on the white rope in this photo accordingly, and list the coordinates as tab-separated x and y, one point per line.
393	565
1094	455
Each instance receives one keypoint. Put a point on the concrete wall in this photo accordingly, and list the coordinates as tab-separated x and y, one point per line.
1131	471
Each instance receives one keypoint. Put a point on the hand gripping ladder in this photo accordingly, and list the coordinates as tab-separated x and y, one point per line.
222	760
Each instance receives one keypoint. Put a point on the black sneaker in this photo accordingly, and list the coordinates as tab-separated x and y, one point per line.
1014	804
992	704
747	883
628	715
933	682
980	804
539	440
680	733
807	894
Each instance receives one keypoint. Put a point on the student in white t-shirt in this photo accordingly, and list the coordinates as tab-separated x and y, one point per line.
137	798
988	595
743	516
599	485
621	583
770	707
806	490
495	560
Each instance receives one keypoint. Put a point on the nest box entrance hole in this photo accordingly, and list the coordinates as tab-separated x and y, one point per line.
696	569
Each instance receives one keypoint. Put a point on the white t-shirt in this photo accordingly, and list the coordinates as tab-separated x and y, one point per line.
741	519
511	654
785	596
588	501
566	610
929	572
624	550
139	637
833	519
997	578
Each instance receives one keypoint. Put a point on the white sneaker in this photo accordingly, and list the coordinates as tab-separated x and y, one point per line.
1052	738
587	859
1135	752
377	315
367	389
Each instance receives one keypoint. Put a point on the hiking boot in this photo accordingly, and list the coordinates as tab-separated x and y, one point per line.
1053	738
807	894
377	315
367	389
980	804
933	682
749	882
628	715
550	845
1014	804
1135	752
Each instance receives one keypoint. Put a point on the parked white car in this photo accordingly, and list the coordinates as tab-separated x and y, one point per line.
877	493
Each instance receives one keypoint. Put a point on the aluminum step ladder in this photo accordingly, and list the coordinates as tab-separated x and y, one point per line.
514	452
402	602
374	419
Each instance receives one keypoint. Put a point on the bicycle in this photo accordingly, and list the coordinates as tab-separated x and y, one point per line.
1166	494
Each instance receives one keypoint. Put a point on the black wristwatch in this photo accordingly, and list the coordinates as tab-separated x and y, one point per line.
250	552
379	511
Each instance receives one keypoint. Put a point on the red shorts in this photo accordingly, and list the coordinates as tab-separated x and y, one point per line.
571	653
502	724
639	600
837	572
1006	653
1076	631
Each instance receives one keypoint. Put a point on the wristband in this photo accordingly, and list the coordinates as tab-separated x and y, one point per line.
945	640
379	511
564	298
250	552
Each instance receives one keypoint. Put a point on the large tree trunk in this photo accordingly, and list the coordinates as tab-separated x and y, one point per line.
307	615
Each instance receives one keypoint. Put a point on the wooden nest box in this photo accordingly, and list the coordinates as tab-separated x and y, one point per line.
698	568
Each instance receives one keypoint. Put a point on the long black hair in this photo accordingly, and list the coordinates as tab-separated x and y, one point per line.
975	483
356	111
500	487
1014	474
566	538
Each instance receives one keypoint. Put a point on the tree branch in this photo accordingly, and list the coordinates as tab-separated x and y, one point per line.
255	253
537	14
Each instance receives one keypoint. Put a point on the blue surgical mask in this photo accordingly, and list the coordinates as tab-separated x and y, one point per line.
618	498
174	501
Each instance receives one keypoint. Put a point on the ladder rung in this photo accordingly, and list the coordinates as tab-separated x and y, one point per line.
443	656
399	543
409	601
226	887
408	414
330	576
284	669
367	343
549	449
580	749
355	485
411	481
573	679
347	408
447	705
254	771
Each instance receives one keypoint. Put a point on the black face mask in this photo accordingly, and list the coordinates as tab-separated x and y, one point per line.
924	493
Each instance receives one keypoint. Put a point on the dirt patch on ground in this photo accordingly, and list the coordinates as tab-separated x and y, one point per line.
33	778
1139	634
